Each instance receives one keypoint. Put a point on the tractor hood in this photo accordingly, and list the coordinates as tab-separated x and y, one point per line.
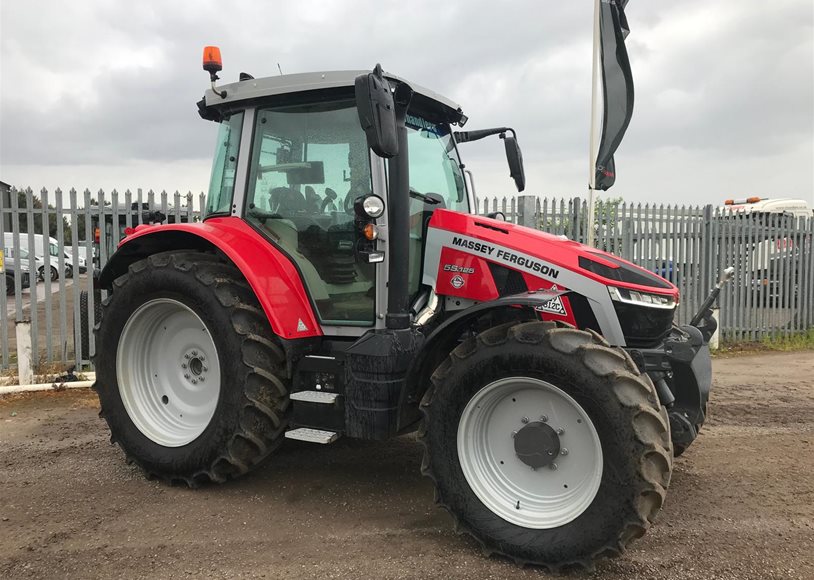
554	258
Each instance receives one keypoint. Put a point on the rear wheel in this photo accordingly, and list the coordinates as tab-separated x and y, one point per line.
189	376
545	444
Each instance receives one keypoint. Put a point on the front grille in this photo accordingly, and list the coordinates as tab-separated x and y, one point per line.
644	326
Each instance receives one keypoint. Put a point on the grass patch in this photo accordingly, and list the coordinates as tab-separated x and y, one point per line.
798	341
782	343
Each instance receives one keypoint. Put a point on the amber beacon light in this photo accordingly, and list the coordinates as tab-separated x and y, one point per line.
212	63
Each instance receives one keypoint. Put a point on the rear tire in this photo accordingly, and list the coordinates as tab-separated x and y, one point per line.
605	386
243	415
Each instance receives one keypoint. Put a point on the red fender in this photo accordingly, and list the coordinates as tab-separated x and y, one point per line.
272	276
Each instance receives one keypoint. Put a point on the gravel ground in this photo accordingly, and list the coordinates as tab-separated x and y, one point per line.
741	504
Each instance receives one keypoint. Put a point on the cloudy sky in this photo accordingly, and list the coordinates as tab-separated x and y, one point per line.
101	94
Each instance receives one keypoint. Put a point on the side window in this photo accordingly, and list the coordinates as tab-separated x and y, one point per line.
309	164
435	171
222	182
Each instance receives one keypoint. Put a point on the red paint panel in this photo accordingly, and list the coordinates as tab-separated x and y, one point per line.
464	275
272	276
554	249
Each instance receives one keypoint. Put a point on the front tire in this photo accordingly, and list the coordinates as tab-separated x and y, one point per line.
569	389
190	378
54	274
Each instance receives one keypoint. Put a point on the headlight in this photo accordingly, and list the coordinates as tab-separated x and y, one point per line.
372	206
641	298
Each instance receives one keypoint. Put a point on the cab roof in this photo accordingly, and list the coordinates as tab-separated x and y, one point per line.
253	89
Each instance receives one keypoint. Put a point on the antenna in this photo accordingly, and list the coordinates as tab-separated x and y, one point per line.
279	69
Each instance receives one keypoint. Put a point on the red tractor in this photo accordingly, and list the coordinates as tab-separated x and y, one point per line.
340	285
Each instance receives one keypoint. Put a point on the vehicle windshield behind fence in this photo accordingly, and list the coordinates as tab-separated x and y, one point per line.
222	183
309	164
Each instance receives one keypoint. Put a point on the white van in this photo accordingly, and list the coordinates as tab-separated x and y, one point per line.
795	208
771	260
53	252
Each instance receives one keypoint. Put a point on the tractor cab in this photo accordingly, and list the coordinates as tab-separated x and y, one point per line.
294	161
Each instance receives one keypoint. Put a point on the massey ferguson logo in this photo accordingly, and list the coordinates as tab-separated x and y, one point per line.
507	257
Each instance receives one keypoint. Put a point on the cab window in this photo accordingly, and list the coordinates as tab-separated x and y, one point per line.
309	164
224	167
435	173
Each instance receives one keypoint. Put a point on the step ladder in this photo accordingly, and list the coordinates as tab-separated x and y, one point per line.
312	435
308	434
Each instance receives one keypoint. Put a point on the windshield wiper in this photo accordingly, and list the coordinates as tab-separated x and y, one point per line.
424	198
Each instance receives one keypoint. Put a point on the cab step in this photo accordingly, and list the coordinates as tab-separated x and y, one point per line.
312	435
320	397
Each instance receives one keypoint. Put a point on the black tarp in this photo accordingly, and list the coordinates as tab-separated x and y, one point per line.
617	87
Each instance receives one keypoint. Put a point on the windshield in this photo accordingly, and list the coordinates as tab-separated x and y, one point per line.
434	164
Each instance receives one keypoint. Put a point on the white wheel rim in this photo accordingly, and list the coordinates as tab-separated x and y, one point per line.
168	372
542	498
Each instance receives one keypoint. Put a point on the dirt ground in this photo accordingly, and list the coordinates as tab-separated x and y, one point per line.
741	504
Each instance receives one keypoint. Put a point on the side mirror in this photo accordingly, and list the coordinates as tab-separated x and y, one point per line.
515	159
497	215
377	112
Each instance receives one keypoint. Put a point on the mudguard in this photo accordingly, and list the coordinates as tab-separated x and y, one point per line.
270	273
440	342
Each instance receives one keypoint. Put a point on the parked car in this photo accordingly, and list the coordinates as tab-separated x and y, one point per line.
53	250
10	274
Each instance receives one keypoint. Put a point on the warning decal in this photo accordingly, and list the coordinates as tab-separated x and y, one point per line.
554	306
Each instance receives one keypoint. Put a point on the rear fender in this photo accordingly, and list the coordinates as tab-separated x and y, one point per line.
274	279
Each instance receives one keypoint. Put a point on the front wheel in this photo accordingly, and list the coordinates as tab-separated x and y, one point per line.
545	444
190	378
54	273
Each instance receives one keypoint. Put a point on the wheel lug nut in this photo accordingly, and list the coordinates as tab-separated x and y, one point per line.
194	353
186	375
205	369
202	357
553	466
543	418
563	451
194	382
187	356
525	419
183	365
560	431
201	379
514	433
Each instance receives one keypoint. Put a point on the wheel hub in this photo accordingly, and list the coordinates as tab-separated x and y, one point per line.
537	444
168	372
500	450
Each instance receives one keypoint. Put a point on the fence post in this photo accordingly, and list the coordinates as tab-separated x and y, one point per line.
526	204
25	366
707	252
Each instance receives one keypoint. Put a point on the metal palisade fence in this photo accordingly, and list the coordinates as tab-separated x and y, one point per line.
772	293
51	297
52	304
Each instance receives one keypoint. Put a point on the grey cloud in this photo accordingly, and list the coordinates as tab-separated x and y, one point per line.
735	88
